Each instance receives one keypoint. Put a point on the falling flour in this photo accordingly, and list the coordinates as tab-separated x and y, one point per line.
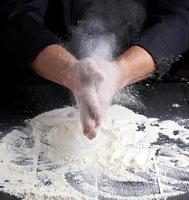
133	157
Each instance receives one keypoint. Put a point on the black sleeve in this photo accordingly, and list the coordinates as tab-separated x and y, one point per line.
23	32
168	38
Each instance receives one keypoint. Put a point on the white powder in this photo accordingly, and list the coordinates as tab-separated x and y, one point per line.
176	105
133	157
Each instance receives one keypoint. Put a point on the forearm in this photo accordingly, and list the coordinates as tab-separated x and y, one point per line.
135	64
53	63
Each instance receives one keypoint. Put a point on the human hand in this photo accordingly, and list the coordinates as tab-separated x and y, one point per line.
134	65
81	78
107	87
56	64
106	80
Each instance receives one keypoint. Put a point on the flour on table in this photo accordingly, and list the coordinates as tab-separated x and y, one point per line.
176	105
133	157
119	140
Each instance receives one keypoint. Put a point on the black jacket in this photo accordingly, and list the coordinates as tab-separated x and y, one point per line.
28	26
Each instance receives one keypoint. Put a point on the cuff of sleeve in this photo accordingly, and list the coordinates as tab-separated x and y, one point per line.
157	48
25	38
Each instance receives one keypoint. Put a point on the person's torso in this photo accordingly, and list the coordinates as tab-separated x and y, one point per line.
61	15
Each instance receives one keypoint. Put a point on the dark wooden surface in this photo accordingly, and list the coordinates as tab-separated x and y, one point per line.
157	100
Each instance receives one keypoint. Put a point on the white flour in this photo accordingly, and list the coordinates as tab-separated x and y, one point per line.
133	157
176	105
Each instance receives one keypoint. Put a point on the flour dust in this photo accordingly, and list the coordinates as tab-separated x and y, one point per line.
133	157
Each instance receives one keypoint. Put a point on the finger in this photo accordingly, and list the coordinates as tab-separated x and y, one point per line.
94	108
89	110
105	99
92	69
88	124
96	114
90	130
92	134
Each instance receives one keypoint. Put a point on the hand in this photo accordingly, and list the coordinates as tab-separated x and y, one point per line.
99	80
107	87
58	65
134	65
106	77
81	78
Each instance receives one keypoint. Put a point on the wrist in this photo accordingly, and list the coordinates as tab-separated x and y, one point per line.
123	73
55	64
68	78
67	63
135	64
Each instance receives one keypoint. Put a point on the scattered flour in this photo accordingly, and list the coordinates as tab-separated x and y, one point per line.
133	157
176	105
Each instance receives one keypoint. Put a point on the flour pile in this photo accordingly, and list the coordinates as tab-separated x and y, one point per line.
133	157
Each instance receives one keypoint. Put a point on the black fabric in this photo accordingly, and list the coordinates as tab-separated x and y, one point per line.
28	26
168	36
24	34
29	39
